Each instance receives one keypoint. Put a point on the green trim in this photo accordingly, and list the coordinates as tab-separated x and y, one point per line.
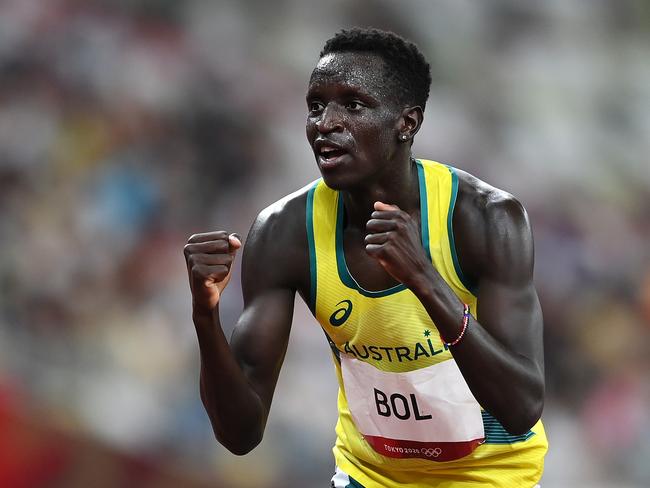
344	273
450	232
354	483
496	434
335	351
311	243
312	247
424	208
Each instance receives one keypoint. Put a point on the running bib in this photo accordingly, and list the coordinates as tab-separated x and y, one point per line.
429	413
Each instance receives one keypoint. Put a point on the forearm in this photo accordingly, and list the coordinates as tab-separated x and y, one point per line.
235	410
508	385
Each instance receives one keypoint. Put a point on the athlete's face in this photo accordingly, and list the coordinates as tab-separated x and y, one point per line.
352	123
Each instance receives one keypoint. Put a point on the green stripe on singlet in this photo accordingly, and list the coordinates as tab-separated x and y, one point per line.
311	242
496	434
344	273
312	247
354	483
424	208
471	287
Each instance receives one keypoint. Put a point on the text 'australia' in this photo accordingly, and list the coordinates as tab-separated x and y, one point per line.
394	354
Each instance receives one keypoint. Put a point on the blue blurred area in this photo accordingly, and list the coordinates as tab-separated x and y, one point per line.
127	126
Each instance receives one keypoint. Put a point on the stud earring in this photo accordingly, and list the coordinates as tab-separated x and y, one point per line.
403	137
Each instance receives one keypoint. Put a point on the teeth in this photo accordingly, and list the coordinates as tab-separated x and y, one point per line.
327	150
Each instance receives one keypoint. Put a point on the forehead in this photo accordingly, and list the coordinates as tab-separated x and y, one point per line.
357	69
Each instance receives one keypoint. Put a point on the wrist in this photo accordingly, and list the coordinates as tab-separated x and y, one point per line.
442	304
464	326
202	313
423	284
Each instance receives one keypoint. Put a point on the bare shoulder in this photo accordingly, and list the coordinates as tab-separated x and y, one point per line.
492	230
492	203
276	251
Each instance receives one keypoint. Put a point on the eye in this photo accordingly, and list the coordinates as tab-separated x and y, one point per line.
354	106
315	107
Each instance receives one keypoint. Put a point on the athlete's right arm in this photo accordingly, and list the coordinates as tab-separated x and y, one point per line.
238	379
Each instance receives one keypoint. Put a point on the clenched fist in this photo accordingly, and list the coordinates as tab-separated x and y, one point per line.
394	240
209	259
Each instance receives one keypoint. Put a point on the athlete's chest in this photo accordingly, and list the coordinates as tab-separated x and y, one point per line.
365	312
367	271
390	330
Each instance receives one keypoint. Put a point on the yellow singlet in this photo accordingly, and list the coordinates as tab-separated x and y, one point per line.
389	358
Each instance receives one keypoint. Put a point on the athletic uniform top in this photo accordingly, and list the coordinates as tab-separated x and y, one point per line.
406	416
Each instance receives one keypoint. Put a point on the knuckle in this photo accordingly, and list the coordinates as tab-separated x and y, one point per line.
196	270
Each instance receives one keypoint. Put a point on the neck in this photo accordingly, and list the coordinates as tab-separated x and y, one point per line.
397	187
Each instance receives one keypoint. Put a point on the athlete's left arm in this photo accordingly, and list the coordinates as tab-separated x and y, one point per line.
501	354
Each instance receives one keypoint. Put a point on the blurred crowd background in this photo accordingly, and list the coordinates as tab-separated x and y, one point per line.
126	126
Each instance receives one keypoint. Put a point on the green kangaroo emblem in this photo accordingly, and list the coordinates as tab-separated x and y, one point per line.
340	315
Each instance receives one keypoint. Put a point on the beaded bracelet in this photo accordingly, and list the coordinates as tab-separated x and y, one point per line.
466	316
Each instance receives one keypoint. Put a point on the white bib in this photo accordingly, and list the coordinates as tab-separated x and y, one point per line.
429	413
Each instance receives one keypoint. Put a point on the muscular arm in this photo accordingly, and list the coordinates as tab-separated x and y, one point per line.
501	354
238	379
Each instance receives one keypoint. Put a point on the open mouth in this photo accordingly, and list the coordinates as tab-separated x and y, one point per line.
330	155
331	152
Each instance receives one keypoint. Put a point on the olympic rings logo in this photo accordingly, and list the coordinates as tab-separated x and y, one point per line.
431	452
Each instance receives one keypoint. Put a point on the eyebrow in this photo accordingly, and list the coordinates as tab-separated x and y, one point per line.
348	90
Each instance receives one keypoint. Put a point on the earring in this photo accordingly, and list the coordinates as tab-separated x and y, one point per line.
403	137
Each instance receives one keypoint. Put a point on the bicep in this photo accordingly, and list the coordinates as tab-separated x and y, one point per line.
513	316
508	305
260	338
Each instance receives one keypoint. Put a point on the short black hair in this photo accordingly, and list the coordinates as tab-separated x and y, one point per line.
406	68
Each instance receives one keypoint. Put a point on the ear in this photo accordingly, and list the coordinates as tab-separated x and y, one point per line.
409	123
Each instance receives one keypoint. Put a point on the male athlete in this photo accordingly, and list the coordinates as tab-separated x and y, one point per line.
420	275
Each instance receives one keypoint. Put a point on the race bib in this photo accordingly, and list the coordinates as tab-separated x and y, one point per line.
429	413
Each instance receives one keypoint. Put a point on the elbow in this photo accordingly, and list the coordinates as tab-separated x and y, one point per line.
240	441
240	435
240	446
241	449
525	421
521	420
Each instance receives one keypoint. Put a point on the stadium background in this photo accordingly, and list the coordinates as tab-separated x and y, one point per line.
126	126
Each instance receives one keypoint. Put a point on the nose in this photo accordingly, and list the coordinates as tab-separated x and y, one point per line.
330	120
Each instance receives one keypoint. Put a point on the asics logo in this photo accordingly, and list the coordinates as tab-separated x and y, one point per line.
341	314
